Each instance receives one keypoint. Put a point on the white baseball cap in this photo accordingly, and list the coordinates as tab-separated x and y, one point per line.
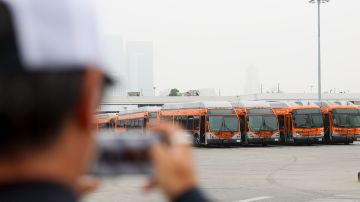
55	34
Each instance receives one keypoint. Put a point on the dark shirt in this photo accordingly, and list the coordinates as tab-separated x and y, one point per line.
36	192
52	192
192	195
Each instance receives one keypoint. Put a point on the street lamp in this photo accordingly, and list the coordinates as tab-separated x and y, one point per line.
319	2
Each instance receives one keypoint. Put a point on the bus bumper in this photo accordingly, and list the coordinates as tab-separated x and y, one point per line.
224	142
308	139
263	140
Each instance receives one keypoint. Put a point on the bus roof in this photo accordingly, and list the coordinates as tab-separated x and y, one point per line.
333	103
104	116
198	105
140	110
277	105
251	104
327	106
293	105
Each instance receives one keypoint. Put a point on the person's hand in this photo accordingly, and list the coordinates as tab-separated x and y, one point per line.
173	163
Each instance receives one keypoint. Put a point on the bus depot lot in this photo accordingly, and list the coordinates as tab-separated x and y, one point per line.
273	173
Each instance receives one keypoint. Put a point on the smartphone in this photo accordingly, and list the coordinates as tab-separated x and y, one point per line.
124	153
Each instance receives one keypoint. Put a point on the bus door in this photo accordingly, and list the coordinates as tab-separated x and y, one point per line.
281	120
202	129
243	123
288	126
327	128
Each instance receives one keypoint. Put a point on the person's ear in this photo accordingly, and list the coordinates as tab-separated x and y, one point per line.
89	99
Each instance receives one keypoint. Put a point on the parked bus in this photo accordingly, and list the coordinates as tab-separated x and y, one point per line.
341	122
258	122
211	123
138	118
299	124
105	121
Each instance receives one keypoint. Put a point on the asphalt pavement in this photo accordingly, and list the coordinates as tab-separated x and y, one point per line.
274	173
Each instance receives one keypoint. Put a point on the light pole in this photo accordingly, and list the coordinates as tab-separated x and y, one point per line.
319	2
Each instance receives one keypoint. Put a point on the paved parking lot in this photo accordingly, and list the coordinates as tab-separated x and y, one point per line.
274	173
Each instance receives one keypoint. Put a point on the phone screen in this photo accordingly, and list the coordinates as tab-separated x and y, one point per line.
124	153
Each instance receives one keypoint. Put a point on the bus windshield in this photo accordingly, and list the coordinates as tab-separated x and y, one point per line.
308	121
308	118
223	123
346	118
263	123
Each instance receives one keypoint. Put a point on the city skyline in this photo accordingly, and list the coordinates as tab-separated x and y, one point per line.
211	44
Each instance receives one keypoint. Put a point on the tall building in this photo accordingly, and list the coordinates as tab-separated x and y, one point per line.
131	66
140	64
116	61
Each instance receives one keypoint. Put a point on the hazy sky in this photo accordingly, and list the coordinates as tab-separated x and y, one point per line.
216	43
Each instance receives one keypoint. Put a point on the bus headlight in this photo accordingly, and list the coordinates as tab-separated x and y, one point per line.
211	136
277	134
251	135
237	136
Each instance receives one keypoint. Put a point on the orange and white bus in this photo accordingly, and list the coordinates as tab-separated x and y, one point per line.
105	121
299	124
138	118
210	123
341	122
258	122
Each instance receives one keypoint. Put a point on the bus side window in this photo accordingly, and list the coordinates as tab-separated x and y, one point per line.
163	119
184	122
190	125
113	123
141	123
196	122
136	123
281	121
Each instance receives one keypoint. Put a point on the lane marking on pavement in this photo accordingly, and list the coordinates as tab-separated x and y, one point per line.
255	199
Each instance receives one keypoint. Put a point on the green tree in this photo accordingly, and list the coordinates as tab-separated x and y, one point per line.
174	92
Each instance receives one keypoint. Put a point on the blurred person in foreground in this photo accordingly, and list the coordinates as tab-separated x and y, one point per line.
51	81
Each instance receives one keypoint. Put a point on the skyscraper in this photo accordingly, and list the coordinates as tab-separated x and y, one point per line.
131	66
116	60
140	64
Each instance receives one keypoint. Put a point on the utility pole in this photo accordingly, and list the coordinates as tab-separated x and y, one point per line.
319	2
